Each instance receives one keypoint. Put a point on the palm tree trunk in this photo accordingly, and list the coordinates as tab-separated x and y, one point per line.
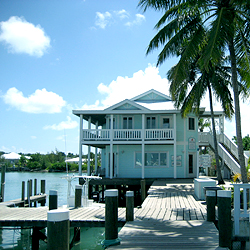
219	175
237	112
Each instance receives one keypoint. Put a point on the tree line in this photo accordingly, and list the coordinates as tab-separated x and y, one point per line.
51	162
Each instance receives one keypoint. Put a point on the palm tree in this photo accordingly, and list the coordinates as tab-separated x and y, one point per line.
188	93
227	25
204	123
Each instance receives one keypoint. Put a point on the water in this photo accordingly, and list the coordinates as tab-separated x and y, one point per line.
16	238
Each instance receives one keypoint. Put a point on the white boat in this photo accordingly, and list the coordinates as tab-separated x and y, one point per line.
85	189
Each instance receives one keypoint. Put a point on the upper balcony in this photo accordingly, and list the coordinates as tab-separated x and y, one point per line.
101	135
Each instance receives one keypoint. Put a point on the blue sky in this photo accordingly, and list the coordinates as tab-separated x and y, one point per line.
57	56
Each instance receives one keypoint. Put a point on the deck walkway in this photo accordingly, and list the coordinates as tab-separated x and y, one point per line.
37	217
170	218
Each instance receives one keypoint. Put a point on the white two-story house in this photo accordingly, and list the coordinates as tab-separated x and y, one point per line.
137	140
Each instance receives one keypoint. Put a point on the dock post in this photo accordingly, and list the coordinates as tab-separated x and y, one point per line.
43	191
78	196
31	184
2	182
111	218
130	206
23	193
224	220
58	226
28	192
143	190
35	191
211	201
52	199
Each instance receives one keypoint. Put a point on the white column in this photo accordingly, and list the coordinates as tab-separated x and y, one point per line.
143	148
175	170
88	168
80	144
197	161
221	122
111	146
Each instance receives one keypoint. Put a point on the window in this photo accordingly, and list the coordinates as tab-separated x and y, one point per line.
166	123
151	122
127	122
163	159
191	124
152	159
138	160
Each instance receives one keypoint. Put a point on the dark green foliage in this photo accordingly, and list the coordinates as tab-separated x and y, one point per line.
52	162
245	141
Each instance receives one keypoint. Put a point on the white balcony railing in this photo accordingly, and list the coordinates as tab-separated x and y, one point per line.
127	134
96	134
160	134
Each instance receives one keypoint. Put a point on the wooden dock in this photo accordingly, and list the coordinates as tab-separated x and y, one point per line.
37	217
170	218
22	203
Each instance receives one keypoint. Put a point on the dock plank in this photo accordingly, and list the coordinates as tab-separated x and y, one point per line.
168	235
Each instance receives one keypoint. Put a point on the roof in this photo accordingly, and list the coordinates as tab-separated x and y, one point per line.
11	156
151	96
149	102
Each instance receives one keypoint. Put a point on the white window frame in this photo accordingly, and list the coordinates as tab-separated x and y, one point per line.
159	159
127	117
189	129
150	117
170	121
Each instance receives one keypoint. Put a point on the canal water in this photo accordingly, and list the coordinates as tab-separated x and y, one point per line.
16	238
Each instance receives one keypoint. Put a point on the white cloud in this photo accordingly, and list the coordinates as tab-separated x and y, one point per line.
21	36
128	87
33	137
41	101
106	18
102	19
139	18
69	124
122	14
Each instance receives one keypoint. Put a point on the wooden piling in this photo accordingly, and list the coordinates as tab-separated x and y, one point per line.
78	196
58	229
43	191
130	206
31	184
3	171
53	197
211	202
224	218
28	193
35	191
23	193
143	190
111	218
